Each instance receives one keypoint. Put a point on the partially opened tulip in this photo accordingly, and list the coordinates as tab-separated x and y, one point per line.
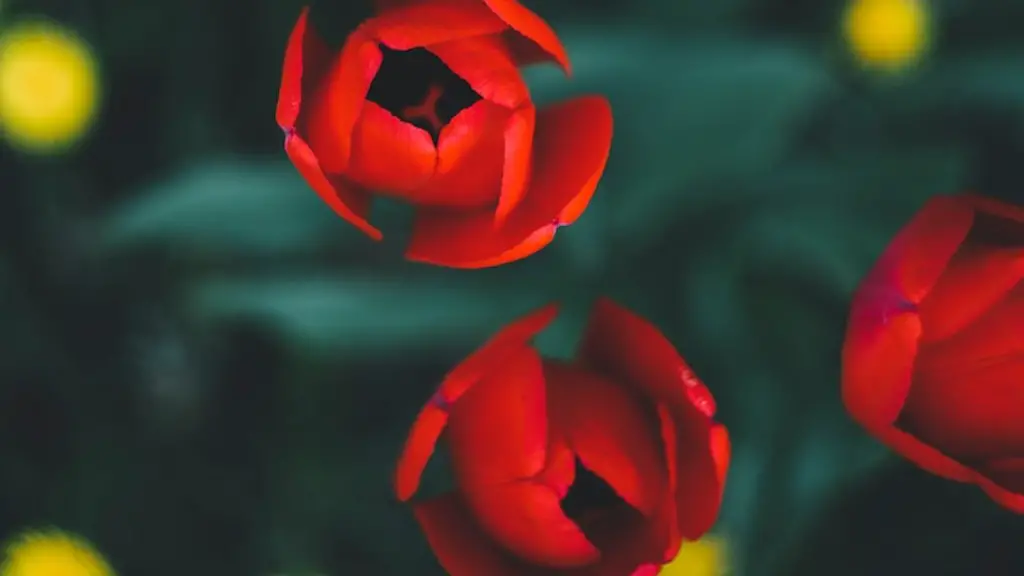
597	467
933	363
425	103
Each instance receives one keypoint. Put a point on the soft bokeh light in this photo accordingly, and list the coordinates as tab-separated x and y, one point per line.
52	553
887	34
49	86
705	557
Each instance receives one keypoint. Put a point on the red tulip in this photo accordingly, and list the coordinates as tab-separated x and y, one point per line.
596	467
933	363
425	103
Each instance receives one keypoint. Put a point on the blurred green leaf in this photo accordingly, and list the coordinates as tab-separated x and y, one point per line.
977	81
689	114
226	208
366	316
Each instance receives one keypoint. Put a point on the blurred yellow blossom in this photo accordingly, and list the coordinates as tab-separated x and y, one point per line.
48	86
705	557
887	34
52	553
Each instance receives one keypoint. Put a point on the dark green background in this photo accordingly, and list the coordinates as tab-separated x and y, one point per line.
205	372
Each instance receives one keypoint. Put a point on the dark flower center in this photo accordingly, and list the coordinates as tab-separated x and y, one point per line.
589	494
417	87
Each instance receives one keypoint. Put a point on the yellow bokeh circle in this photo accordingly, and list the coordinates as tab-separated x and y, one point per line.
52	553
887	34
49	86
705	557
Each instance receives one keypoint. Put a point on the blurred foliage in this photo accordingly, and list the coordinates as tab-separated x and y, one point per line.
204	371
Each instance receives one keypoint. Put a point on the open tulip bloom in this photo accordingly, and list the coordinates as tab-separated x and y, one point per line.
597	467
425	103
932	363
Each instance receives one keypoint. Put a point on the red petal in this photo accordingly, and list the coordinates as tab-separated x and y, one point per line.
721	452
469	159
994	207
458	542
419	446
305	60
515	175
346	200
967	400
883	329
569	154
994	337
531	40
533	28
628	349
669	523
526	518
420	24
976	279
626	542
920	252
339	101
485	64
560	469
923	454
878	365
612	432
498	429
389	155
1004	482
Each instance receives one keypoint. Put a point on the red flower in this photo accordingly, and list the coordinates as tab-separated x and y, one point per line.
933	363
598	467
425	103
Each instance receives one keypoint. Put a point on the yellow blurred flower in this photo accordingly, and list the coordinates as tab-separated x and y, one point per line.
52	553
49	86
887	34
705	557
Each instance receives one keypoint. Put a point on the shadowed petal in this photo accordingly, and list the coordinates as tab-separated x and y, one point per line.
925	456
994	207
612	432
666	522
458	542
426	430
305	60
1004	482
348	201
498	430
526	518
966	398
629	350
569	154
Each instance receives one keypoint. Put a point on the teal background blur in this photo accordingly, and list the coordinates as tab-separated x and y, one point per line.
204	371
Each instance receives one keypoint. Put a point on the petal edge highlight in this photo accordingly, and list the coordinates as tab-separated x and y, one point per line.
426	430
346	200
